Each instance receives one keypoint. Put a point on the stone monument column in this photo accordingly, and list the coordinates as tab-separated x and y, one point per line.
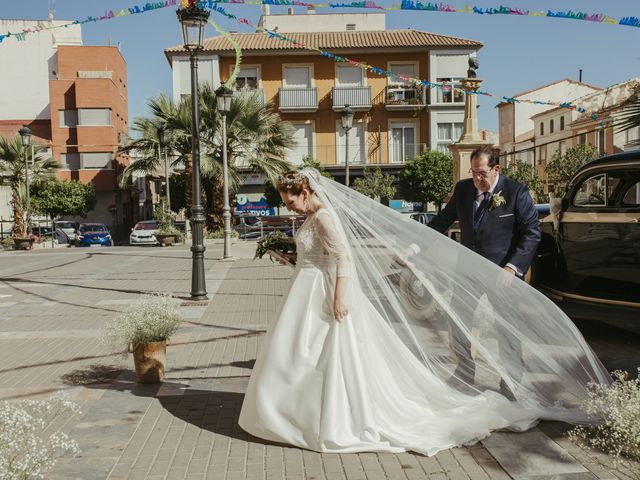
471	137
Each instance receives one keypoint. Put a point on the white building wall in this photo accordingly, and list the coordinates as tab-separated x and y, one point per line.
326	22
27	66
559	92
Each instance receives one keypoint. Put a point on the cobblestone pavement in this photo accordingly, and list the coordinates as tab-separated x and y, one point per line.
54	303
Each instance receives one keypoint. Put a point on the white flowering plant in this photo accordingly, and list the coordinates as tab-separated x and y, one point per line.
26	451
154	319
618	435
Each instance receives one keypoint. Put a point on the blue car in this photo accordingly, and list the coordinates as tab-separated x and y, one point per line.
93	234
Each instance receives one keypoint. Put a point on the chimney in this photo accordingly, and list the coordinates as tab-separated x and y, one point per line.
290	11
311	10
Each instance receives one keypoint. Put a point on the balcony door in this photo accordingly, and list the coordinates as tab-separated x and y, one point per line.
403	142
303	138
357	149
248	78
348	76
297	77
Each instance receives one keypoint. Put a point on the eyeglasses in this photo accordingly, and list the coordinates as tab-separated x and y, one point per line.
483	174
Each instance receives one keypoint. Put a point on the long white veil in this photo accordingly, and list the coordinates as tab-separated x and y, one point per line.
441	298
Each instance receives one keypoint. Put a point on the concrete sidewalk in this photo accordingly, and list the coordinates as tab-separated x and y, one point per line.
51	315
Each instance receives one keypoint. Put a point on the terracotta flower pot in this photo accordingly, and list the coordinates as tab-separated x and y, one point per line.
22	243
165	239
149	360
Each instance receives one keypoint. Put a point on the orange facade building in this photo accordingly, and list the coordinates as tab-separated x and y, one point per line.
89	119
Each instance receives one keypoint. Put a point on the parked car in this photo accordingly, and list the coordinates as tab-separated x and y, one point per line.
93	234
69	228
422	217
589	256
144	233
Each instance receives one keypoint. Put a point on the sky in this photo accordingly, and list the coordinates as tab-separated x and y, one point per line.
519	53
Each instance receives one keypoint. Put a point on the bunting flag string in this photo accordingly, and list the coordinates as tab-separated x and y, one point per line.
629	21
408	80
125	12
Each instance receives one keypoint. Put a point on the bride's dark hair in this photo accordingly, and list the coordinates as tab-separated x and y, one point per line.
293	182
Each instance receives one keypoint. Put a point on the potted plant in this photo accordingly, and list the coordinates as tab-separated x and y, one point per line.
146	326
166	233
277	245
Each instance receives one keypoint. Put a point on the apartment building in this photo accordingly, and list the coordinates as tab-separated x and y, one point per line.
394	121
26	67
89	120
559	129
516	132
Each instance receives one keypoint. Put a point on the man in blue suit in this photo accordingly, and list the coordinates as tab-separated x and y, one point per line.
499	221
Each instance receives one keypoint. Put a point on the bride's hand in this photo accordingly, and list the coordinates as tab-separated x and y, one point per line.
340	310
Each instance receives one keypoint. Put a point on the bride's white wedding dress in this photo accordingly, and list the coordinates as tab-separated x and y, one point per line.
353	385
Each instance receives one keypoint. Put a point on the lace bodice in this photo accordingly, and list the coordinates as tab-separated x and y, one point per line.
320	244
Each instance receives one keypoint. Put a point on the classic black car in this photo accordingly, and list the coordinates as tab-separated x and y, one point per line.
589	256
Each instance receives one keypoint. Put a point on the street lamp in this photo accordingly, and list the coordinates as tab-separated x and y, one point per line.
193	20
25	133
163	138
223	97
347	122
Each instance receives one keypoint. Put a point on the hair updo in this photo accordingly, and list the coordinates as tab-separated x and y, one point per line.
293	182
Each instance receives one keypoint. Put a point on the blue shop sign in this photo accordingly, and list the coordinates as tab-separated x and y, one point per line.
404	206
259	208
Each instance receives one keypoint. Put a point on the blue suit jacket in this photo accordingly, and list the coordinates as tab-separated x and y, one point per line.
509	233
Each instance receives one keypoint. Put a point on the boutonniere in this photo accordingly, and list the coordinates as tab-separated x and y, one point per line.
496	200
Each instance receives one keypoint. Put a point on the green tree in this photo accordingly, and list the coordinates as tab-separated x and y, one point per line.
427	178
375	184
562	168
12	168
57	198
522	172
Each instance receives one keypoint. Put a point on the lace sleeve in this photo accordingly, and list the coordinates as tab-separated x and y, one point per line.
333	242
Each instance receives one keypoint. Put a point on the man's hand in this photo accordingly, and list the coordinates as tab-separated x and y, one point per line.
340	309
506	277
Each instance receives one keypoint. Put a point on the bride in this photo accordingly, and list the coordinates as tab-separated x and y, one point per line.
358	358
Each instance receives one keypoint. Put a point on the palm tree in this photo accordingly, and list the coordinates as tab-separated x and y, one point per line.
257	140
254	134
12	167
630	113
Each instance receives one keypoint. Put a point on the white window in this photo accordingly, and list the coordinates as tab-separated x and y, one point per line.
297	77
303	137
542	155
450	92
582	138
453	65
94	117
601	141
407	70
96	160
348	76
632	136
68	118
448	133
403	142
184	73
70	161
247	78
357	148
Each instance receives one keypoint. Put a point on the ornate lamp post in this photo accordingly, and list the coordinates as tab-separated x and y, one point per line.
25	133
347	122
163	139
223	97
193	20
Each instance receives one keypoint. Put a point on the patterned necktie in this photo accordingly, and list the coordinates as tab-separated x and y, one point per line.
480	211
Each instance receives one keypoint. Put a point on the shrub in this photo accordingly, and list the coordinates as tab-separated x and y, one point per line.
219	233
618	405
25	451
153	319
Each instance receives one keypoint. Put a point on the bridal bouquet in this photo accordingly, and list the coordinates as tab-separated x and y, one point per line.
278	246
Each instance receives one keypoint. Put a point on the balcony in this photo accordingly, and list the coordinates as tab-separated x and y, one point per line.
404	97
298	99
358	98
245	92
